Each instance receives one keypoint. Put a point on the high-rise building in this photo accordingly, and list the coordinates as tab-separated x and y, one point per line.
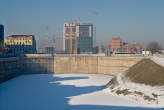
1	36
1	33
77	38
21	44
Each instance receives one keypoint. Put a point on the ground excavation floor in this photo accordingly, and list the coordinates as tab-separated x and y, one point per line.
63	92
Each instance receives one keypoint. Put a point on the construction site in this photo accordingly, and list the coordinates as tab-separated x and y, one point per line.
143	81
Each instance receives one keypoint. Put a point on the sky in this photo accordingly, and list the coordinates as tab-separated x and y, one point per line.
133	20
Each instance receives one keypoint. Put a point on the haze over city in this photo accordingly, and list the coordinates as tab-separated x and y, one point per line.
81	55
133	20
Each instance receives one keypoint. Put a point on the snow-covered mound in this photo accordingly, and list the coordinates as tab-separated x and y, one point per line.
158	60
143	82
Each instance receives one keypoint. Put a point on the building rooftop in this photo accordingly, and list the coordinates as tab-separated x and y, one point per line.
73	23
20	35
116	38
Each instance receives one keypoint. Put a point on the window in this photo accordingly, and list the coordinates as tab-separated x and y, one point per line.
67	29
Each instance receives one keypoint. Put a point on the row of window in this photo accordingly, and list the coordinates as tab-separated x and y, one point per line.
18	43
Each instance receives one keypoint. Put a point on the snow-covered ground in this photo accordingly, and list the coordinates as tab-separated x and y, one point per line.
63	92
90	80
158	60
139	93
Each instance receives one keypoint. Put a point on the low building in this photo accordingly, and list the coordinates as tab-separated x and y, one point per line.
49	50
117	45
40	50
21	44
146	52
135	48
59	52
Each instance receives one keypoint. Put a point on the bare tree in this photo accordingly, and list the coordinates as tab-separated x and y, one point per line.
153	47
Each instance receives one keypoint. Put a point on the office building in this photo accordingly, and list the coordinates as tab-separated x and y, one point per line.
1	37
77	38
21	44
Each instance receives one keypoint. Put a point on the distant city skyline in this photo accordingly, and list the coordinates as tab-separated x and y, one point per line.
133	20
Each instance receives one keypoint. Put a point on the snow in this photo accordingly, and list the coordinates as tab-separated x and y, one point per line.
145	89
158	60
100	98
87	80
63	92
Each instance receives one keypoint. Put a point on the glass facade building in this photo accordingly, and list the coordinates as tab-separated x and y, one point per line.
85	38
1	33
77	38
1	37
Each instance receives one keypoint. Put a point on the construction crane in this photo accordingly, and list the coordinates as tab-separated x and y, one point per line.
94	12
47	41
55	38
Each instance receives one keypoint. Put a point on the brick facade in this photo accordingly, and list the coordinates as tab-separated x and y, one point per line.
118	45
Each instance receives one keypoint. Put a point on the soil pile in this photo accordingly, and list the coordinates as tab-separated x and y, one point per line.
146	72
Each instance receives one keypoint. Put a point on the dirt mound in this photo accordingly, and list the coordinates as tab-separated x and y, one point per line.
146	72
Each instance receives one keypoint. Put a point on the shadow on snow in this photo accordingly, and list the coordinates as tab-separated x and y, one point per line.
35	92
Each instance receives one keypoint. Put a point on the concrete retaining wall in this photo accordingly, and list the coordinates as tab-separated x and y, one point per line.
11	67
37	65
97	65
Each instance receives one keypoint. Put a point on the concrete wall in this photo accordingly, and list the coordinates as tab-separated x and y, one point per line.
97	65
9	68
37	65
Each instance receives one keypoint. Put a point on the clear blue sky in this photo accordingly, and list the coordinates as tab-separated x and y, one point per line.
133	20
